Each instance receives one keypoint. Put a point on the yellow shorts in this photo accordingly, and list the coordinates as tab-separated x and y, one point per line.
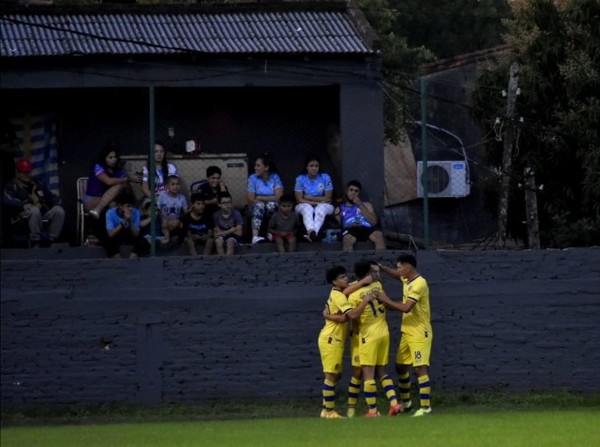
375	352
414	351
332	353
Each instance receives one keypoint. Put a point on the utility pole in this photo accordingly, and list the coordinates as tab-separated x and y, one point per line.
509	137
531	209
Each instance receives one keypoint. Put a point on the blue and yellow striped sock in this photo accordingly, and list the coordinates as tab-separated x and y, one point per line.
370	388
388	386
425	391
328	395
353	390
404	388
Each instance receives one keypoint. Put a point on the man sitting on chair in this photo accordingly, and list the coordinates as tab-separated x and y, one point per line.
29	199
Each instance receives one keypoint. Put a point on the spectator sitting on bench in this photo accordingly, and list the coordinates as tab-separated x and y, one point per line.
313	191
172	205
358	219
198	226
123	228
284	224
228	224
263	191
28	199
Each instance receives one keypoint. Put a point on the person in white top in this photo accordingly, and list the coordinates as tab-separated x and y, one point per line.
164	169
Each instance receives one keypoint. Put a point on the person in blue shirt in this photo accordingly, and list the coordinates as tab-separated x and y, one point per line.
123	228
263	192
313	191
358	219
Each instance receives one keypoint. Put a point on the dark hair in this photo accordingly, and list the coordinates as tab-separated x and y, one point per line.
407	259
308	159
110	147
164	164
223	195
197	197
334	272
362	269
213	170
172	177
354	183
267	160
125	198
286	198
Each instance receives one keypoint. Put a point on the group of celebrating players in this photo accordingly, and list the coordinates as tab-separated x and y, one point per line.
364	303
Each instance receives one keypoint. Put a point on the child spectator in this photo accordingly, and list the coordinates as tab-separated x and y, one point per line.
228	225
172	205
210	188
123	227
146	222
197	226
283	224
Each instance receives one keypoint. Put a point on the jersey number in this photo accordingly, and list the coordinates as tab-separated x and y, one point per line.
380	307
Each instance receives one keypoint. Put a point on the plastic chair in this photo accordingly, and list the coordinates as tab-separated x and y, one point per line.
81	212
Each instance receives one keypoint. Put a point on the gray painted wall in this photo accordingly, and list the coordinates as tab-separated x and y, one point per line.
182	329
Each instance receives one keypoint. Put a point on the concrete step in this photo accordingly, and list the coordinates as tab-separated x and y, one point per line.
64	251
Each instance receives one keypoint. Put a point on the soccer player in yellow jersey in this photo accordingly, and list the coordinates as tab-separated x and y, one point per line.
416	332
332	338
374	341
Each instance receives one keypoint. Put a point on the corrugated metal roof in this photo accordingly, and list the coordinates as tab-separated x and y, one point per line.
293	32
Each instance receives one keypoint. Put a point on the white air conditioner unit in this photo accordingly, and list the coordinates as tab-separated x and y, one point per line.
444	179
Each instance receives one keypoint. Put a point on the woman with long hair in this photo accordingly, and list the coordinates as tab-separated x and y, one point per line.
263	192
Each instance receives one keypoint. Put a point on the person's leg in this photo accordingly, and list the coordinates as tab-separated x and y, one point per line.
34	218
354	389
219	245
377	238
292	244
95	207
307	212
56	216
191	246
388	387
348	242
424	390
279	244
230	246
370	389
322	210
403	362
257	213
208	245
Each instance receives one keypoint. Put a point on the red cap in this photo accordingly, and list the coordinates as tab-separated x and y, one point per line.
24	166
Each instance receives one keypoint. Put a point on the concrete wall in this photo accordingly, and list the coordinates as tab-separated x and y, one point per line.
180	329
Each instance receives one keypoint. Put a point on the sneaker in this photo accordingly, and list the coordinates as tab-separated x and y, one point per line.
95	214
395	409
422	412
333	415
372	414
330	414
257	239
407	407
313	236
351	412
307	238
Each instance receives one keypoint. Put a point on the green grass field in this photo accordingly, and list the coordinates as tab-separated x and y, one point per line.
447	429
467	419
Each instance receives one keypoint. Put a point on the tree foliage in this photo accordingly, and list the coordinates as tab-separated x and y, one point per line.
453	27
557	45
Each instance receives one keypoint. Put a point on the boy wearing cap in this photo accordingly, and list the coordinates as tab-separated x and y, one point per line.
29	199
